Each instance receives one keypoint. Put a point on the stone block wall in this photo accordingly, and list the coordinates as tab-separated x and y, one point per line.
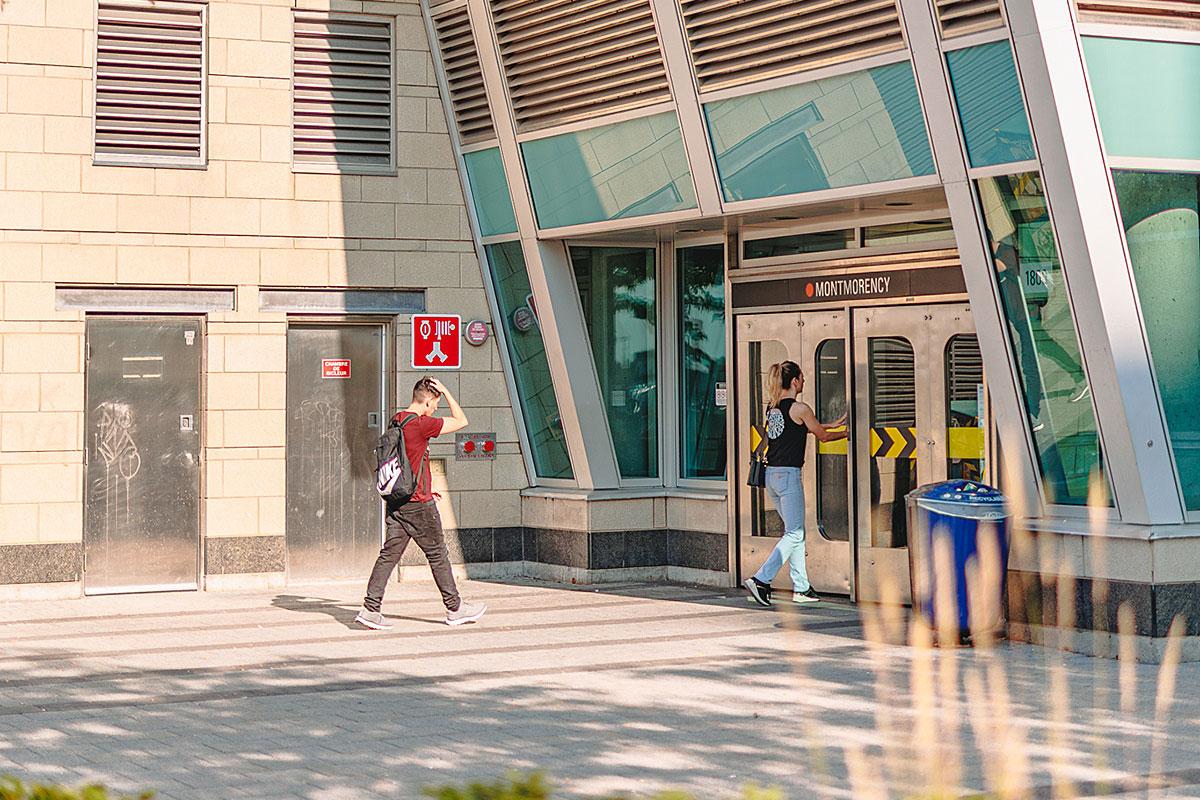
248	219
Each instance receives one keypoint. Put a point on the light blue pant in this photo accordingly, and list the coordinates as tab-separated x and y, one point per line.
787	493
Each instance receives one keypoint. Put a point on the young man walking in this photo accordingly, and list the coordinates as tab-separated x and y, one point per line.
418	519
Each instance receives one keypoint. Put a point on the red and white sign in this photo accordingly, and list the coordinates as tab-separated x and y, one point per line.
437	341
338	368
476	332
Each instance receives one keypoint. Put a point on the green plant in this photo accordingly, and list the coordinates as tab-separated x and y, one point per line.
13	789
534	787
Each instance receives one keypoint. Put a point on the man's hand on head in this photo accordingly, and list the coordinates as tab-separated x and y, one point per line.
438	385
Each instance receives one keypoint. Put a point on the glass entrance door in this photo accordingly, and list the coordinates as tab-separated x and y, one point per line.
817	342
919	418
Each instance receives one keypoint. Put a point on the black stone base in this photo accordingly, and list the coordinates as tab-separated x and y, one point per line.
584	549
1034	599
41	563
54	563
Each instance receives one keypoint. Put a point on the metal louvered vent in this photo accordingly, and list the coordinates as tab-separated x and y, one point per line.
893	382
464	76
958	17
964	368
149	83
1166	13
566	60
342	92
739	41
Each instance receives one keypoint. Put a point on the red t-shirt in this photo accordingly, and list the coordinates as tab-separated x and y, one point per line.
417	434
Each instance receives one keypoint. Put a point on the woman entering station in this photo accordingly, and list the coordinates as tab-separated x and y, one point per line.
789	421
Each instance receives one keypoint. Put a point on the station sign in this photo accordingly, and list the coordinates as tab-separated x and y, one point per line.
849	287
436	341
335	368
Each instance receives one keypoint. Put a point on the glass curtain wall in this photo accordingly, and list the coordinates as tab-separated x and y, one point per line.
701	274
1045	343
1161	215
527	354
618	292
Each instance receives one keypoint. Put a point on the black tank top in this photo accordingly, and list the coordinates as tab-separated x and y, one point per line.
786	438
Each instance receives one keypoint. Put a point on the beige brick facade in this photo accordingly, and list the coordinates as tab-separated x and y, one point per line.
246	220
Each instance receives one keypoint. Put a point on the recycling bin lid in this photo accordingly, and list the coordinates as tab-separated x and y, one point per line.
961	498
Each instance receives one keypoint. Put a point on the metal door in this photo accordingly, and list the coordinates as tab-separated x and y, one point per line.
817	342
142	455
902	428
824	358
335	408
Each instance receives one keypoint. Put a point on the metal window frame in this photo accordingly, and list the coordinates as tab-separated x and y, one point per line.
1145	164
388	170
480	247
138	160
661	424
1113	512
1149	33
673	380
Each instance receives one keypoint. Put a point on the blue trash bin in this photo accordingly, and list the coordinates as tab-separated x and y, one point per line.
963	512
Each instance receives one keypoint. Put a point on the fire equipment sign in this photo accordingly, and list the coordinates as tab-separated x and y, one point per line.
474	446
436	341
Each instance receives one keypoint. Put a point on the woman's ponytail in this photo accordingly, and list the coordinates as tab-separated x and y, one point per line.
779	378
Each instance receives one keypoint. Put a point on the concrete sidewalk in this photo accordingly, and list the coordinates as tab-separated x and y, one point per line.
627	688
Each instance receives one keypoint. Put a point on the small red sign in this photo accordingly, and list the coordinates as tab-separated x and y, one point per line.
335	368
476	332
436	341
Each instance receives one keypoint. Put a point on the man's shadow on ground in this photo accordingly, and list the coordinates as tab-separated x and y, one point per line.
332	608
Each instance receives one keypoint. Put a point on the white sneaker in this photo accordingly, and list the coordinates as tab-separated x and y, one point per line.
374	620
807	596
466	612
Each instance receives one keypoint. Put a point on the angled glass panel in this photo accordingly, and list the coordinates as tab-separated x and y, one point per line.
527	355
1140	95
854	129
617	290
1161	212
1045	342
628	169
990	105
489	189
702	360
797	244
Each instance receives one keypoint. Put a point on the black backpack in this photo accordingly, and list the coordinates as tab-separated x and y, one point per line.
394	475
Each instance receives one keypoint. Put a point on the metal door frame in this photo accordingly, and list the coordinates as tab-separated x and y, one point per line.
201	470
388	387
928	328
831	556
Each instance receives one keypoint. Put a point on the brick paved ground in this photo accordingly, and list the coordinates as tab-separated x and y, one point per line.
629	688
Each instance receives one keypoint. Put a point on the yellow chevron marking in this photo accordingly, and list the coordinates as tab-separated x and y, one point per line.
755	438
895	444
966	443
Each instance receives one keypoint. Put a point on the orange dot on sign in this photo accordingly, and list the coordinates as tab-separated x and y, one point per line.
468	446
489	446
808	289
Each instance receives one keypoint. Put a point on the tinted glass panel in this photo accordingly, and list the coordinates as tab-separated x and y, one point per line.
848	130
765	518
629	169
990	104
1161	212
892	366
964	409
797	243
702	360
1045	344
925	230
489	189
833	507
617	290
1136	86
527	355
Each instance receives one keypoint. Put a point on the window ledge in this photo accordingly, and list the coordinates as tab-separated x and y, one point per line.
633	493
